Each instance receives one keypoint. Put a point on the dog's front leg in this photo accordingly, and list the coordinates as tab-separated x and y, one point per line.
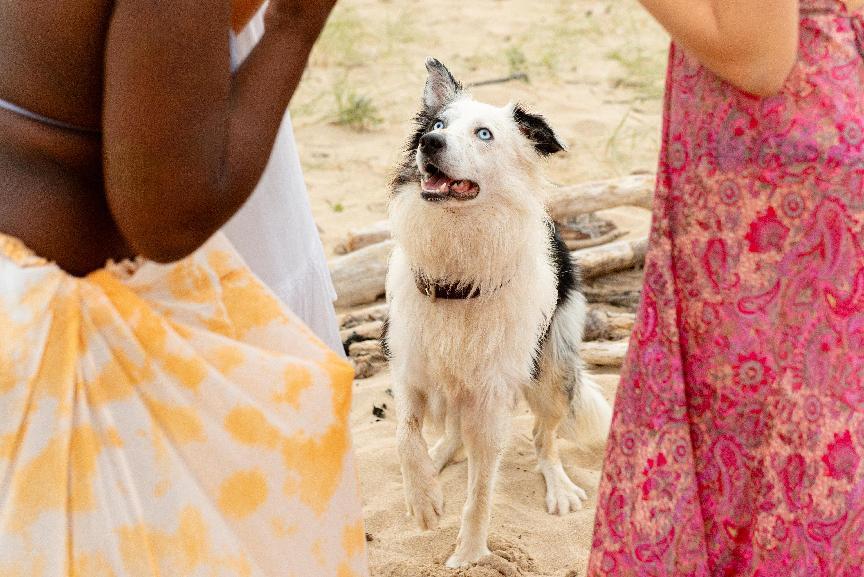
485	425
422	493
451	441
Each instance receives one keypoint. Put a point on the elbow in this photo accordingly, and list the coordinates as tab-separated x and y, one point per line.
168	227
166	244
763	82
171	233
761	75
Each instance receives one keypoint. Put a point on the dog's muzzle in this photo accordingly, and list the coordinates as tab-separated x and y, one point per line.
432	143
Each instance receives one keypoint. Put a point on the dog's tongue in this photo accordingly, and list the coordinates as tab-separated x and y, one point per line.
439	183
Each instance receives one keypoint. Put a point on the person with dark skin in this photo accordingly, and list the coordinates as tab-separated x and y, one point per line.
170	144
162	412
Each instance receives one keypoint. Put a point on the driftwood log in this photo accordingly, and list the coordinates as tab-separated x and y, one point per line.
602	260
603	325
584	226
622	289
363	237
368	358
624	298
359	277
371	331
568	201
363	316
584	243
604	353
361	333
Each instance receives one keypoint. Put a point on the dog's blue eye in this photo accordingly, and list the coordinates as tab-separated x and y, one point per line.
439	124
484	134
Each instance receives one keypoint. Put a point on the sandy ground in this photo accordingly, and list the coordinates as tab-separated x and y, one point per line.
595	69
525	539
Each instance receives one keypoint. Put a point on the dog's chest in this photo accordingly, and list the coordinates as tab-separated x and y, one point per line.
493	336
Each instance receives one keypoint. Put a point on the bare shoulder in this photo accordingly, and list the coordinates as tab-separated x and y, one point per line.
52	54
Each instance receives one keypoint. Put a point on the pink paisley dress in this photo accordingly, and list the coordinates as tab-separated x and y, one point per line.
738	437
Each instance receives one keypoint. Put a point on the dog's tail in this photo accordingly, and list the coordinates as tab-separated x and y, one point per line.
590	412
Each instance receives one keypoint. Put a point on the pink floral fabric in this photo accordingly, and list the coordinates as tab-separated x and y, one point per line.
738	437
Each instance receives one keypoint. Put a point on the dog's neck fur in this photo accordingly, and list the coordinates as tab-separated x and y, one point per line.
484	247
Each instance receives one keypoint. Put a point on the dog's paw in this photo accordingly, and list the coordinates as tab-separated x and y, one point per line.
563	498
470	548
562	494
425	504
467	555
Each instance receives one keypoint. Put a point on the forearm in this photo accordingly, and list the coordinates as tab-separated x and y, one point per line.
751	43
260	93
185	142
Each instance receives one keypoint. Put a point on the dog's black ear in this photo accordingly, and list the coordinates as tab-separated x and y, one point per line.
441	87
537	130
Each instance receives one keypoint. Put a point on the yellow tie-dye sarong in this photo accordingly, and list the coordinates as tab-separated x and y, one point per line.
171	421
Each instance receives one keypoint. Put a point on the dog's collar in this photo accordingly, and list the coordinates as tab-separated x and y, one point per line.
449	291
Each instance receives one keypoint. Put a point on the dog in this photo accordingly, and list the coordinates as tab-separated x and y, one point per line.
484	304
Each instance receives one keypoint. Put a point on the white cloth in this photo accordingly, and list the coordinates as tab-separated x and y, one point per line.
275	233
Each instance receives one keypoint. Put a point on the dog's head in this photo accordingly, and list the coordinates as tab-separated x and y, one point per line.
465	153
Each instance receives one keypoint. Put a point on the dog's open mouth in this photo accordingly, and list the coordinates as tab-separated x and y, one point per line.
437	186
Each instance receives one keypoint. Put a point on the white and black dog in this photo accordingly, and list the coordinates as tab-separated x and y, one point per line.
484	303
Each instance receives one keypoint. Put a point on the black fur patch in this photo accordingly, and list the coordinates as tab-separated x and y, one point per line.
569	282
407	171
537	130
385	346
346	345
569	276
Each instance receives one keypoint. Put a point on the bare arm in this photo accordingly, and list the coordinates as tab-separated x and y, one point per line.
185	142
750	43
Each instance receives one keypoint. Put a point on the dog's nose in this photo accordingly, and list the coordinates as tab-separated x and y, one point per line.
432	143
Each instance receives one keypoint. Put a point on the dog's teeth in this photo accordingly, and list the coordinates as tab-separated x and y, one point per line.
443	187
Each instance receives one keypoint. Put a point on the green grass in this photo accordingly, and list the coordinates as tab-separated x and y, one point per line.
336	206
354	110
516	60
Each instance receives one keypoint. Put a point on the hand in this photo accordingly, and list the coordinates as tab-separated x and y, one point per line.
306	16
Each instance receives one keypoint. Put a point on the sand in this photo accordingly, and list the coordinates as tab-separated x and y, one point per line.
524	538
595	70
